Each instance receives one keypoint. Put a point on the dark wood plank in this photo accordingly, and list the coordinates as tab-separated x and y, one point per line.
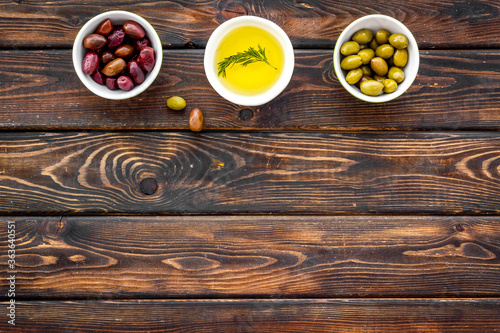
257	172
454	90
254	256
309	23
352	315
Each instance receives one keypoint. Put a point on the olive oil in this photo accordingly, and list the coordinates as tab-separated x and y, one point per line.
255	77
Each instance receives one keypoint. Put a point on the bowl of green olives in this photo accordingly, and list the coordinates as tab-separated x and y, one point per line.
376	58
117	55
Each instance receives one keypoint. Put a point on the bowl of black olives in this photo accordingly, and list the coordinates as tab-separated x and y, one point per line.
376	58
117	55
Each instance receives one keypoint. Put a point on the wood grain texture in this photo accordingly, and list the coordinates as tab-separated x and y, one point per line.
374	315
301	172
454	91
309	23
254	256
313	213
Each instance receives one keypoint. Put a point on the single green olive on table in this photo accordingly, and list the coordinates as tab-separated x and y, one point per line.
176	103
374	61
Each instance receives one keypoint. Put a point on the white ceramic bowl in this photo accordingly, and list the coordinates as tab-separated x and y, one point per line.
117	18
375	23
211	65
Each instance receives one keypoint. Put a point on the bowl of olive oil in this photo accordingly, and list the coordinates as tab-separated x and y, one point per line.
249	60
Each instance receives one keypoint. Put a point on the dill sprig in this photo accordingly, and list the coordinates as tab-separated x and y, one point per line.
244	58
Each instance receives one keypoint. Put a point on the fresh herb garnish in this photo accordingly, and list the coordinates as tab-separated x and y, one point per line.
244	58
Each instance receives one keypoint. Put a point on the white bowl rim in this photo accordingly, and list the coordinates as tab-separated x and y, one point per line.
102	90
286	75
410	72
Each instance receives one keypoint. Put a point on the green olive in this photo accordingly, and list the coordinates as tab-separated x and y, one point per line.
390	86
176	103
371	87
366	55
379	78
400	57
354	76
367	70
363	36
351	62
399	41
349	48
374	44
379	66
364	46
382	36
396	74
384	51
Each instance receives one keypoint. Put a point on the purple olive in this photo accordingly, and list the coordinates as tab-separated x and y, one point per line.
116	38
125	83
90	63
135	72
98	77
147	58
142	43
111	83
133	30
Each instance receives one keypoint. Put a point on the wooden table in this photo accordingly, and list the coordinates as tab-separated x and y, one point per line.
313	213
